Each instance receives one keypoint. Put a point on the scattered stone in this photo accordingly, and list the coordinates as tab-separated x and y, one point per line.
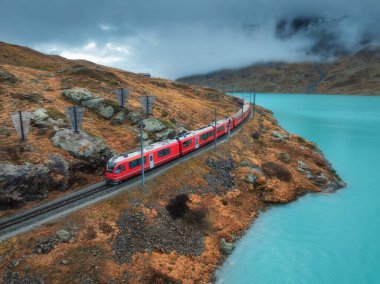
165	134
278	136
13	277
134	117
222	174
119	118
65	262
7	77
153	125
136	235
245	164
63	236
226	247
251	166
320	179
251	178
40	117
284	157
83	146
46	245
303	167
145	136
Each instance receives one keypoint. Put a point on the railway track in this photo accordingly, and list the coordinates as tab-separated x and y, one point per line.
28	219
14	220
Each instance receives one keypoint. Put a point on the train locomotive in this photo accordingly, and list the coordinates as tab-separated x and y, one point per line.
126	165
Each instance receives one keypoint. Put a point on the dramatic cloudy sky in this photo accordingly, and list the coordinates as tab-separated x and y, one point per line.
172	38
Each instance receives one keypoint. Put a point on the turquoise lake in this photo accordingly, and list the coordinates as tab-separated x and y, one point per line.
320	238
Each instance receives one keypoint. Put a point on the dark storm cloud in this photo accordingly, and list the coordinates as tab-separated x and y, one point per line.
176	37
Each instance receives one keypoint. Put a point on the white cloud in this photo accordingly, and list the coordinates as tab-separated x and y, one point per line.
107	28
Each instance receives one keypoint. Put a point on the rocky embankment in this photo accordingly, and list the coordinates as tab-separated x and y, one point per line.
186	222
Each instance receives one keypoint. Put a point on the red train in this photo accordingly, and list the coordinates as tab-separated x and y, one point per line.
126	165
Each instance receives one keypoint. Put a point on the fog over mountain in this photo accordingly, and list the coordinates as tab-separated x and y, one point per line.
173	38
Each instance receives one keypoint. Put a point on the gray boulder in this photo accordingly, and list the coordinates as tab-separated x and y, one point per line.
226	247
103	107
153	125
7	77
303	167
165	134
40	117
77	95
145	136
134	117
63	236
251	178
278	136
22	183
119	118
83	146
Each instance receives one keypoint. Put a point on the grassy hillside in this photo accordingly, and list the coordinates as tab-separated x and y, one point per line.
41	78
357	74
30	80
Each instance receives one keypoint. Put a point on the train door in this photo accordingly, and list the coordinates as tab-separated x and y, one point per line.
196	142
151	161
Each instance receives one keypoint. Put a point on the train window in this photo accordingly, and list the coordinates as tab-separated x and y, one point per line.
118	170
163	152
136	163
221	128
206	135
187	143
110	167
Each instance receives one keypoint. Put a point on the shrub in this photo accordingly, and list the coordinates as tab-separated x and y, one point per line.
256	134
196	216
300	139
177	207
272	169
89	234
168	124
106	228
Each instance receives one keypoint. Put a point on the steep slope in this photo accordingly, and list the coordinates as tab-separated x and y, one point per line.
30	80
358	73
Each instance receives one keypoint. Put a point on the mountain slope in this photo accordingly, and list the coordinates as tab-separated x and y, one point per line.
358	73
30	80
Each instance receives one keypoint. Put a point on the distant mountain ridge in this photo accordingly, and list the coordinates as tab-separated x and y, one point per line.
358	74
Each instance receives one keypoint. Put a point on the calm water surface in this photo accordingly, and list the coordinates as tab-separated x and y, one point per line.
321	238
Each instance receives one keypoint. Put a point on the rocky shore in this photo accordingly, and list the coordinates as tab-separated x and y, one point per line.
184	225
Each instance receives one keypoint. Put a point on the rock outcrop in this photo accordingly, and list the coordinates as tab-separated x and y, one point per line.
21	183
103	107
134	117
153	125
82	145
40	117
6	77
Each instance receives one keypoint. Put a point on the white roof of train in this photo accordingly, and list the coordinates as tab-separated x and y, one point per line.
135	153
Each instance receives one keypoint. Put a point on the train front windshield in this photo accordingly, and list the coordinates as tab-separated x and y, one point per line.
110	167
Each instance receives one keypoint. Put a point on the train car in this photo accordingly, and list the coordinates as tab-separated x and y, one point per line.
203	136
222	127
238	117
187	143
124	166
